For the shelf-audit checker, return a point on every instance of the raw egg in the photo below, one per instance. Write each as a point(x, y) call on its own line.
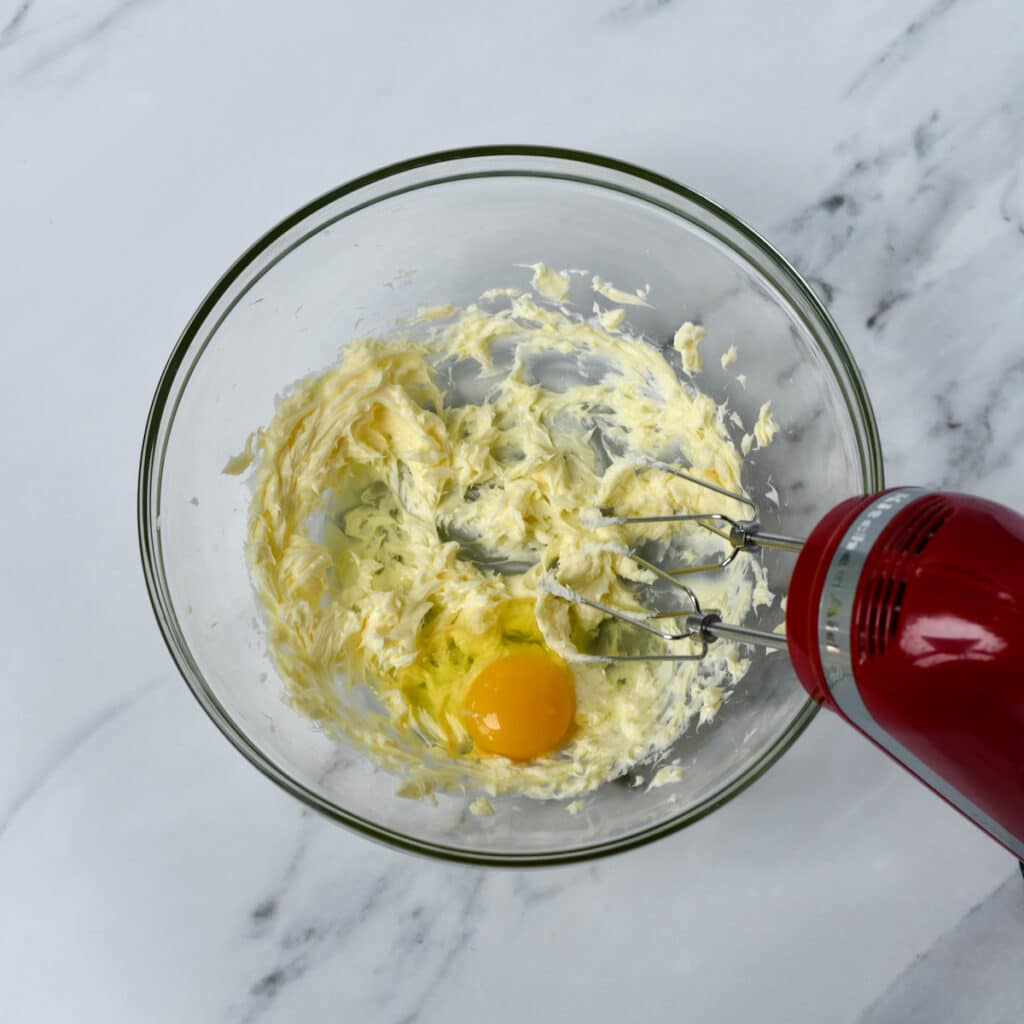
point(521, 705)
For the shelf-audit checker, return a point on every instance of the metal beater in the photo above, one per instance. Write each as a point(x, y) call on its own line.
point(703, 626)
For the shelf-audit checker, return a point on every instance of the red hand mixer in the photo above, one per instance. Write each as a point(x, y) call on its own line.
point(905, 617)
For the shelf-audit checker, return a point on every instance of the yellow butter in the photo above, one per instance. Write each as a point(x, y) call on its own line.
point(370, 474)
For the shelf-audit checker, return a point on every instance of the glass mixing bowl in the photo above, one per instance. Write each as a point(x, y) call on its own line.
point(442, 229)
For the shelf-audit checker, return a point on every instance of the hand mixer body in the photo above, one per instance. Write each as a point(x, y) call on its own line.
point(906, 617)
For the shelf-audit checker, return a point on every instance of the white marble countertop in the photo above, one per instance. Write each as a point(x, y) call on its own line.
point(147, 873)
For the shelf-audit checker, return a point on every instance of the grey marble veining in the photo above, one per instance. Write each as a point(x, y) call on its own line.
point(87, 733)
point(146, 871)
point(905, 45)
point(963, 976)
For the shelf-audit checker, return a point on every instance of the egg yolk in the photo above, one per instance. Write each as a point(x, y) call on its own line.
point(521, 706)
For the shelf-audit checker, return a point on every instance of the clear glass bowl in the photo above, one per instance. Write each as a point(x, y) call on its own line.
point(443, 229)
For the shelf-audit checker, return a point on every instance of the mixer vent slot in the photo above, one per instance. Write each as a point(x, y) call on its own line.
point(879, 615)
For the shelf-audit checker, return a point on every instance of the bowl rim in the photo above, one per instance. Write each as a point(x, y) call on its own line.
point(151, 460)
